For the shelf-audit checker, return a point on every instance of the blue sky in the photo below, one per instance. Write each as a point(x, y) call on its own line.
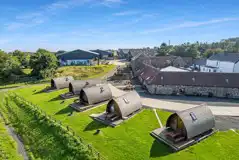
point(90, 24)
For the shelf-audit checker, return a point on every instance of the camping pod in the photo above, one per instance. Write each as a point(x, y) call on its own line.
point(186, 127)
point(120, 109)
point(95, 94)
point(76, 86)
point(124, 106)
point(61, 82)
point(192, 122)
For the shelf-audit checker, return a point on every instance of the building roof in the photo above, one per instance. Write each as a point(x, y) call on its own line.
point(164, 61)
point(228, 57)
point(148, 73)
point(200, 62)
point(203, 79)
point(126, 104)
point(172, 69)
point(102, 52)
point(146, 51)
point(125, 51)
point(96, 94)
point(196, 120)
point(76, 86)
point(61, 82)
point(77, 54)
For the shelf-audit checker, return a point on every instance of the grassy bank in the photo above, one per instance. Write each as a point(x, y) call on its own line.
point(84, 72)
point(43, 137)
point(78, 72)
point(8, 147)
point(131, 140)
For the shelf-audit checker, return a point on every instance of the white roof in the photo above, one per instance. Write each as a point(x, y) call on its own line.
point(173, 69)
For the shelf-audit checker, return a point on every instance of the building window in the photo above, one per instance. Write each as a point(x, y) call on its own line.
point(193, 116)
point(227, 80)
point(126, 100)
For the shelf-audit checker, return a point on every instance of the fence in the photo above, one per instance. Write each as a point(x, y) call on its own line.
point(67, 128)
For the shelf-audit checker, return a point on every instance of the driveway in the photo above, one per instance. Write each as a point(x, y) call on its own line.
point(219, 107)
point(227, 110)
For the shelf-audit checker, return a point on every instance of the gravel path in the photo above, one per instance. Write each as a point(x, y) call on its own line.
point(20, 145)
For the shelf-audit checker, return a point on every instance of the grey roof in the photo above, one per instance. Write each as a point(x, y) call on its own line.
point(77, 54)
point(204, 120)
point(61, 82)
point(203, 79)
point(102, 52)
point(147, 51)
point(126, 104)
point(200, 62)
point(76, 86)
point(96, 94)
point(125, 51)
point(228, 57)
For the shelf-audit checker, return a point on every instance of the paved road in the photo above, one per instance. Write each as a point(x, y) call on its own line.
point(176, 106)
point(219, 108)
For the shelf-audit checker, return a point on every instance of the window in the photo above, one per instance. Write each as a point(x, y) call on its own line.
point(126, 100)
point(193, 116)
point(227, 80)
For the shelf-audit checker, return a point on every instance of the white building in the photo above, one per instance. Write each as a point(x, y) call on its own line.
point(222, 62)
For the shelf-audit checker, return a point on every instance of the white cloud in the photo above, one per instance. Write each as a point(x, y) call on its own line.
point(126, 13)
point(110, 3)
point(28, 15)
point(4, 41)
point(190, 24)
point(18, 25)
point(40, 16)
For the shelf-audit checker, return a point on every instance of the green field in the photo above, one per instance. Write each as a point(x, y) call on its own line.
point(131, 140)
point(8, 147)
point(78, 72)
point(84, 72)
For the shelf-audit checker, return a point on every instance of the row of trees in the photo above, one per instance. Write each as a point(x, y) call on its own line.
point(197, 49)
point(43, 64)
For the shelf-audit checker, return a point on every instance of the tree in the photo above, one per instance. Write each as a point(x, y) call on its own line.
point(23, 58)
point(209, 52)
point(9, 66)
point(43, 63)
point(163, 50)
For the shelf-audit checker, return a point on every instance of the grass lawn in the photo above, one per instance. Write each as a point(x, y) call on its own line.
point(9, 86)
point(8, 147)
point(84, 72)
point(78, 72)
point(27, 71)
point(131, 140)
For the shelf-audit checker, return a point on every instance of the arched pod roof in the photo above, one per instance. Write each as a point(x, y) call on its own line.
point(61, 82)
point(126, 104)
point(95, 94)
point(196, 120)
point(76, 86)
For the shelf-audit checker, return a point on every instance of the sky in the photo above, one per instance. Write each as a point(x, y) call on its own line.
point(110, 24)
